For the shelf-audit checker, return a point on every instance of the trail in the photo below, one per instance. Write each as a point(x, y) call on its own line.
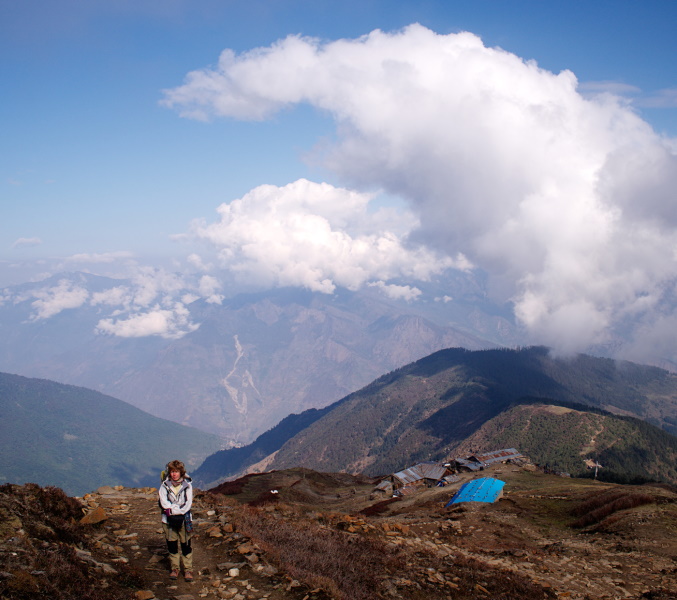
point(521, 536)
point(227, 565)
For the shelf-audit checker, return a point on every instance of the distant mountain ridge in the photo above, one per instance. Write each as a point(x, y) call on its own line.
point(253, 360)
point(427, 409)
point(78, 439)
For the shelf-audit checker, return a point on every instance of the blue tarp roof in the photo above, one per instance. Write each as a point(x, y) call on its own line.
point(485, 489)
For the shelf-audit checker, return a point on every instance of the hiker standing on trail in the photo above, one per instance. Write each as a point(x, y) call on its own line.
point(176, 500)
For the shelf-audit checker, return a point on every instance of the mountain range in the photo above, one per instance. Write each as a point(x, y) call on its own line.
point(456, 400)
point(78, 439)
point(559, 412)
point(246, 362)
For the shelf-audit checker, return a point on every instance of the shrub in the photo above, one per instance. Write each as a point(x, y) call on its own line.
point(264, 498)
point(378, 508)
point(602, 506)
point(46, 564)
point(345, 566)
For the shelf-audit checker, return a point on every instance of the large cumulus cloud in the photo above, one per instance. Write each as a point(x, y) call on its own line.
point(316, 236)
point(566, 200)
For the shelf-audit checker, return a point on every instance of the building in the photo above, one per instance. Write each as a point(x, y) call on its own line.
point(477, 462)
point(423, 474)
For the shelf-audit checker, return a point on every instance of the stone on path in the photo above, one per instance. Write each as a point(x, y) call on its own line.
point(95, 516)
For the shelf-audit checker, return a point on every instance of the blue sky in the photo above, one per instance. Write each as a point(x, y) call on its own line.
point(105, 167)
point(92, 163)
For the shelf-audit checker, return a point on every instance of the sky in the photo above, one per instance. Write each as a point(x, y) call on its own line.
point(207, 146)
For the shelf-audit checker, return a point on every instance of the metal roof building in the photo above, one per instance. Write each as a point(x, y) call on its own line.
point(477, 462)
point(426, 470)
point(485, 489)
point(498, 456)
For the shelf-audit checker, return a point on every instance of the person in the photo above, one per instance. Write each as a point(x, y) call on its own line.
point(176, 501)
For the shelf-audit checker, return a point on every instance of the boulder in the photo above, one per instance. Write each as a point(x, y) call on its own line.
point(95, 516)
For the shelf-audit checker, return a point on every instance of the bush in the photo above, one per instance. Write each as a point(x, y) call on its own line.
point(345, 566)
point(45, 564)
point(378, 508)
point(603, 505)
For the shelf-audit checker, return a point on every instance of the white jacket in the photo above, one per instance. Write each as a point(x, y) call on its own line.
point(178, 504)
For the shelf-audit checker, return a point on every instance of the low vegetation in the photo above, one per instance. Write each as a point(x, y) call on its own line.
point(602, 505)
point(39, 536)
point(325, 537)
point(347, 567)
point(355, 567)
point(424, 410)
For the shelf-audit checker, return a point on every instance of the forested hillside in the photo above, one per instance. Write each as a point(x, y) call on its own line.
point(560, 438)
point(78, 439)
point(426, 409)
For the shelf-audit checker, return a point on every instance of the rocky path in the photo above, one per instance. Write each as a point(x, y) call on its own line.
point(227, 565)
point(630, 564)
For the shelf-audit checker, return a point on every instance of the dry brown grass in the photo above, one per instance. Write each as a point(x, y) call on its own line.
point(232, 488)
point(602, 505)
point(42, 562)
point(378, 507)
point(345, 566)
point(358, 567)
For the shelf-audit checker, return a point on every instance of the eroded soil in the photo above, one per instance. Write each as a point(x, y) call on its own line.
point(525, 536)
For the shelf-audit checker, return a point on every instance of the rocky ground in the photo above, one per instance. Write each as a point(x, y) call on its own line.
point(523, 546)
point(227, 564)
point(629, 554)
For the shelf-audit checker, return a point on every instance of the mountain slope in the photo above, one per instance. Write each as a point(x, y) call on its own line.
point(253, 360)
point(561, 437)
point(425, 410)
point(78, 439)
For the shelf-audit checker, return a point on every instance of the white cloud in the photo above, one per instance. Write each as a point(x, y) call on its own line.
point(208, 287)
point(51, 301)
point(104, 257)
point(398, 292)
point(171, 323)
point(195, 261)
point(115, 296)
point(566, 201)
point(617, 88)
point(149, 284)
point(150, 302)
point(23, 242)
point(313, 235)
point(666, 98)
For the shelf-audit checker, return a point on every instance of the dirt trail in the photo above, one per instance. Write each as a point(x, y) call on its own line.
point(526, 533)
point(226, 565)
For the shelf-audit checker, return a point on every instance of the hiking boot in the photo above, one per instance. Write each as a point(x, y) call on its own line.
point(174, 574)
point(188, 576)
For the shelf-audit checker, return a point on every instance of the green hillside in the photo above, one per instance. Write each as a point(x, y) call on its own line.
point(78, 439)
point(561, 438)
point(426, 409)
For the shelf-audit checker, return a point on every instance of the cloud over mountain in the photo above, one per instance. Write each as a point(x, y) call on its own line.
point(566, 200)
point(315, 236)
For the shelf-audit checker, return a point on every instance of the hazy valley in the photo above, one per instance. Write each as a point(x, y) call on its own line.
point(244, 364)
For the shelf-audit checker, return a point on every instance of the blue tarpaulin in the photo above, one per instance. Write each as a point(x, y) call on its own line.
point(485, 489)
